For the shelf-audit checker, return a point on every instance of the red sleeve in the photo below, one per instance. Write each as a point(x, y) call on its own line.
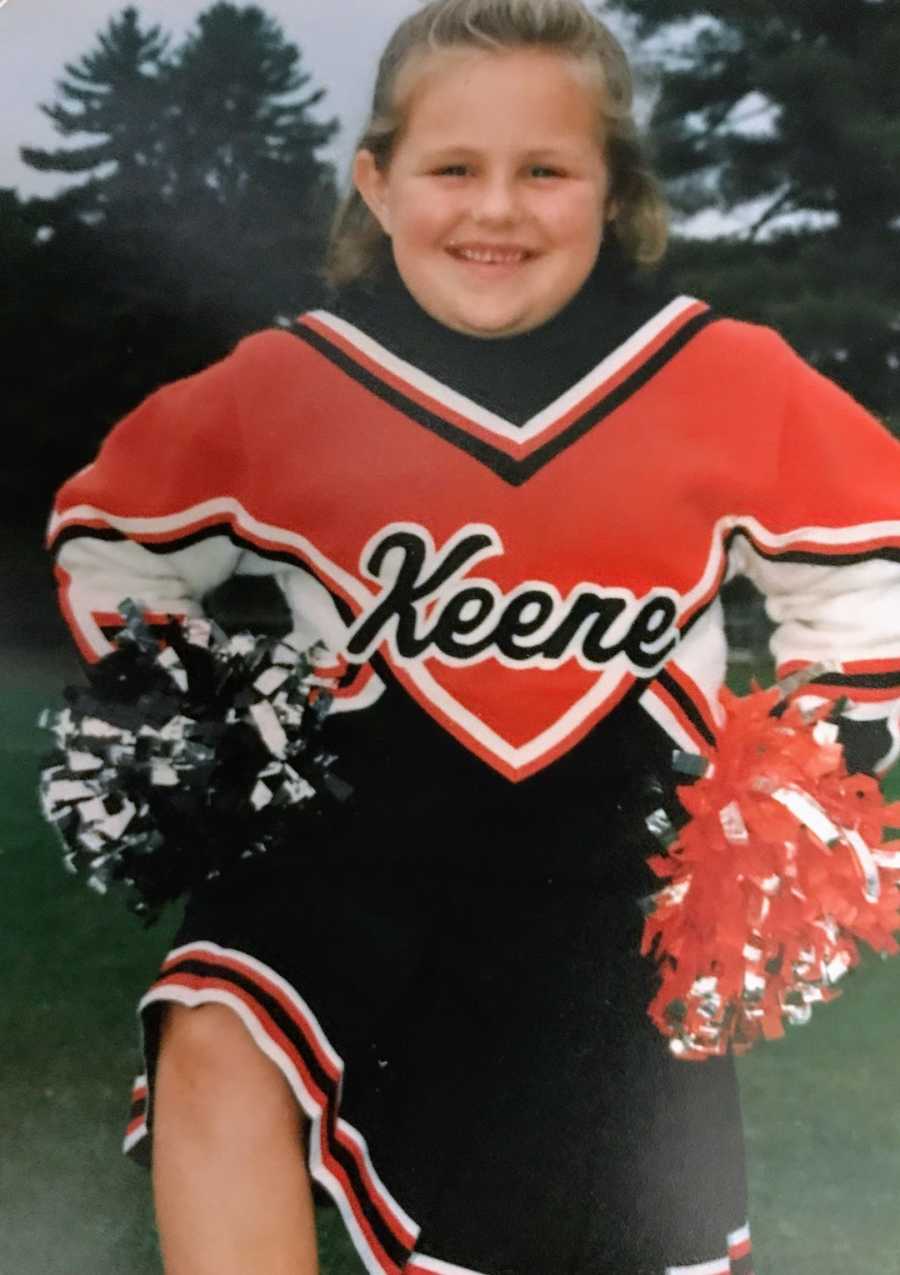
point(149, 518)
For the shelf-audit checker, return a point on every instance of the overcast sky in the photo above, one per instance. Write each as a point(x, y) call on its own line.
point(340, 41)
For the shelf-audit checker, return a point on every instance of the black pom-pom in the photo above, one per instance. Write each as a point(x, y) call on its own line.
point(185, 757)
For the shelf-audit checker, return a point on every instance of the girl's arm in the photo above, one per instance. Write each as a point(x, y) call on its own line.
point(828, 558)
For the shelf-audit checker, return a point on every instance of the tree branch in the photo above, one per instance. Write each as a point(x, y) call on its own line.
point(778, 204)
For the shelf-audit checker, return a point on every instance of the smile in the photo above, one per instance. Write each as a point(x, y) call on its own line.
point(485, 255)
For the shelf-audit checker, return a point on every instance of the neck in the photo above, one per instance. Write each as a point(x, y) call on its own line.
point(514, 376)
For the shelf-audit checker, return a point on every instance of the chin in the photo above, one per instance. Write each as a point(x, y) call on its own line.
point(488, 326)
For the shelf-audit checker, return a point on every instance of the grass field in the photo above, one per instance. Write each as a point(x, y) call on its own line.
point(822, 1114)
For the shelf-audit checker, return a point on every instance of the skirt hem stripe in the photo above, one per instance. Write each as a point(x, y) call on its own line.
point(327, 1129)
point(204, 973)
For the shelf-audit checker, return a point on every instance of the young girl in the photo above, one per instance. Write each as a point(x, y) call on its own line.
point(503, 483)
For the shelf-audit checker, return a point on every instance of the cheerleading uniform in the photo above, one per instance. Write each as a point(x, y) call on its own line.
point(512, 551)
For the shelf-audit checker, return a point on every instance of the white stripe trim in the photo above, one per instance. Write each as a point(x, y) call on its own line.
point(215, 950)
point(517, 758)
point(514, 757)
point(827, 537)
point(369, 695)
point(441, 1268)
point(740, 1236)
point(312, 1108)
point(183, 519)
point(315, 1110)
point(132, 1139)
point(548, 416)
point(664, 717)
point(721, 1266)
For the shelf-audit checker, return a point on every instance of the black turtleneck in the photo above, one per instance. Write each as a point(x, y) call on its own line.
point(514, 376)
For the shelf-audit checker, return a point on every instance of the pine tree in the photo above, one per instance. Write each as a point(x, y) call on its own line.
point(114, 91)
point(196, 212)
point(208, 160)
point(794, 104)
point(241, 130)
point(253, 198)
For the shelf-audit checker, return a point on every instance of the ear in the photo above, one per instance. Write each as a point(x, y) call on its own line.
point(371, 183)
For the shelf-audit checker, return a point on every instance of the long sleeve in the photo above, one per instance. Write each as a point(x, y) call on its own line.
point(127, 525)
point(830, 569)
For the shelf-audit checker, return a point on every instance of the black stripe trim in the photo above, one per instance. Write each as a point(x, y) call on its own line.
point(343, 610)
point(287, 557)
point(860, 681)
point(701, 611)
point(687, 705)
point(380, 666)
point(138, 1108)
point(829, 558)
point(514, 472)
point(75, 531)
point(206, 533)
point(395, 1250)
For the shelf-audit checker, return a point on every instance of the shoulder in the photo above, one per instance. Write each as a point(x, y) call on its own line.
point(269, 348)
point(761, 368)
point(273, 361)
point(740, 358)
point(255, 354)
point(736, 338)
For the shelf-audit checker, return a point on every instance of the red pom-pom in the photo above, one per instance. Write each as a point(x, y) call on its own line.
point(780, 869)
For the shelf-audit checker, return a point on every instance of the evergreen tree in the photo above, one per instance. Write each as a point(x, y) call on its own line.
point(207, 161)
point(115, 92)
point(241, 131)
point(200, 215)
point(794, 104)
point(252, 197)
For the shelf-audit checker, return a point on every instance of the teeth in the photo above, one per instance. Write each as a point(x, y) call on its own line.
point(486, 257)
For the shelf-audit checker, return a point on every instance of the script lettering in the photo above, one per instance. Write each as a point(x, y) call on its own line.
point(430, 607)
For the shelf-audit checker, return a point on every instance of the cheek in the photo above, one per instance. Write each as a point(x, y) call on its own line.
point(423, 221)
point(575, 218)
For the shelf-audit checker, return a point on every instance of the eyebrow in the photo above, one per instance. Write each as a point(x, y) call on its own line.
point(556, 149)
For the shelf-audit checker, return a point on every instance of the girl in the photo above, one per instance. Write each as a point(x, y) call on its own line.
point(503, 483)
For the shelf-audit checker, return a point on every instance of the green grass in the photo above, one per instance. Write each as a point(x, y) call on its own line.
point(74, 966)
point(823, 1121)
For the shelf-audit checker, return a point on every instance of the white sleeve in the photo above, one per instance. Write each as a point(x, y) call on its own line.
point(94, 576)
point(830, 568)
point(845, 618)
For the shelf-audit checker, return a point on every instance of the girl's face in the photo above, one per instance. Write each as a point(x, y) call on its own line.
point(497, 192)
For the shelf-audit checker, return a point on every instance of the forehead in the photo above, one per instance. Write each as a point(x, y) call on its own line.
point(468, 96)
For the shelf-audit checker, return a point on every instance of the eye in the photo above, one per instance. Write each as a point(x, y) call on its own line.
point(452, 170)
point(543, 170)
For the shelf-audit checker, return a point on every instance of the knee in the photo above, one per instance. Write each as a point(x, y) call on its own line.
point(210, 1071)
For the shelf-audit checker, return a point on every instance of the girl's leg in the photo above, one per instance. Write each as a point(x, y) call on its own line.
point(232, 1189)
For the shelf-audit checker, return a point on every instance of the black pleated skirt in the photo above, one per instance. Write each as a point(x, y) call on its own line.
point(484, 1090)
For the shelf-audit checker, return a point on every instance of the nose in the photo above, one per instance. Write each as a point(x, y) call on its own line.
point(496, 200)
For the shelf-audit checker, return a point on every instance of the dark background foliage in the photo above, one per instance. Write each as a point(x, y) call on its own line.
point(196, 214)
point(794, 105)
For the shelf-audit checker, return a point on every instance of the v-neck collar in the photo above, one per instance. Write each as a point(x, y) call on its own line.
point(559, 379)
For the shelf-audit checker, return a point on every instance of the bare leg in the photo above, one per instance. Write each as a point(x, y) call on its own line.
point(232, 1188)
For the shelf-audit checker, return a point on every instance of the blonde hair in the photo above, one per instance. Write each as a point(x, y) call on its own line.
point(358, 247)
